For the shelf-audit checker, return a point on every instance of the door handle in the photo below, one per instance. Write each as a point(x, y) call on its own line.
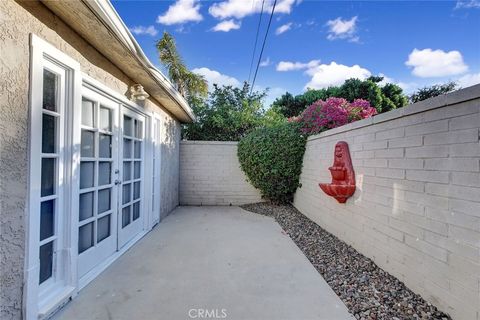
point(117, 182)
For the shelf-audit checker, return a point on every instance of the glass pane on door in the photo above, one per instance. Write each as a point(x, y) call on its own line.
point(86, 206)
point(87, 146)
point(105, 118)
point(85, 237)
point(103, 229)
point(88, 113)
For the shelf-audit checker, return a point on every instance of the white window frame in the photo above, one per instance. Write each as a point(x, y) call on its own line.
point(41, 299)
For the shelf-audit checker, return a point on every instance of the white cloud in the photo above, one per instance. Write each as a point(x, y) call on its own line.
point(139, 30)
point(283, 28)
point(469, 80)
point(180, 12)
point(334, 74)
point(428, 63)
point(343, 29)
point(292, 66)
point(266, 62)
point(284, 6)
point(227, 25)
point(467, 4)
point(241, 8)
point(215, 77)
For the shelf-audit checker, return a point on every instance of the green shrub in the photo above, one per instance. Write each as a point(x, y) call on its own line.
point(229, 114)
point(272, 160)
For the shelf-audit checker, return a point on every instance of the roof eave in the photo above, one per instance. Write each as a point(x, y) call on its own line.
point(112, 38)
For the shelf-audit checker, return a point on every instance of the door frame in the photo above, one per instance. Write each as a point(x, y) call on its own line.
point(35, 304)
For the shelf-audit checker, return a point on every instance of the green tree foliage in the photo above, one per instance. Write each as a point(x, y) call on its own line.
point(189, 84)
point(272, 160)
point(362, 89)
point(229, 114)
point(393, 97)
point(433, 91)
point(288, 105)
point(383, 98)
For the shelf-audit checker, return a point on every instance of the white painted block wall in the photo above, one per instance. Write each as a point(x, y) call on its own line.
point(416, 211)
point(210, 174)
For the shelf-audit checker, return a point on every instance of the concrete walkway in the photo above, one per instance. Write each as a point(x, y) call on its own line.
point(214, 263)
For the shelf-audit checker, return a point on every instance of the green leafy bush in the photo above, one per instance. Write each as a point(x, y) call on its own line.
point(229, 114)
point(272, 160)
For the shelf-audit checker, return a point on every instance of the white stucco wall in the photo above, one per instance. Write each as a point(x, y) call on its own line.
point(210, 174)
point(17, 20)
point(416, 210)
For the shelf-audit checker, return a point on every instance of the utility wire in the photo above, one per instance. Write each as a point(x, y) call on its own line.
point(263, 45)
point(256, 40)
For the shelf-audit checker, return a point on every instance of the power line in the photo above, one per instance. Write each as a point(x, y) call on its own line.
point(263, 45)
point(256, 39)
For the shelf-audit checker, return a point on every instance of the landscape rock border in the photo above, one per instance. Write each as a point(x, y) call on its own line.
point(369, 292)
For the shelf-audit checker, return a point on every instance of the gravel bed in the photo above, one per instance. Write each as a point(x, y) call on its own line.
point(367, 290)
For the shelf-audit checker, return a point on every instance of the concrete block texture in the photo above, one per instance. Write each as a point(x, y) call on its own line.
point(210, 174)
point(416, 210)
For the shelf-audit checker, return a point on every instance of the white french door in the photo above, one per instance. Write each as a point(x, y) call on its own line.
point(97, 214)
point(110, 206)
point(86, 187)
point(131, 206)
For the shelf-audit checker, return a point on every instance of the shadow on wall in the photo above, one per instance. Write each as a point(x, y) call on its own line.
point(170, 169)
point(415, 209)
point(107, 72)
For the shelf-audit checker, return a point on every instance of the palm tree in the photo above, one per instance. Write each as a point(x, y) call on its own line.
point(189, 84)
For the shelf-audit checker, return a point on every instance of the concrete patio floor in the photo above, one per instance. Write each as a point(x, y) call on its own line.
point(210, 258)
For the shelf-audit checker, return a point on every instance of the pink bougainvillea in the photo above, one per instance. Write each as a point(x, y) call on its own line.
point(332, 113)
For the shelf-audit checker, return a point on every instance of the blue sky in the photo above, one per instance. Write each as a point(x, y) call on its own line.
point(316, 43)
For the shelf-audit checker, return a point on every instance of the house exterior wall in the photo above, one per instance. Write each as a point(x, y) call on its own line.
point(210, 174)
point(170, 165)
point(17, 20)
point(416, 209)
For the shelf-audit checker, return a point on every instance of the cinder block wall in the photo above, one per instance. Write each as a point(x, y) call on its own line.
point(210, 174)
point(416, 210)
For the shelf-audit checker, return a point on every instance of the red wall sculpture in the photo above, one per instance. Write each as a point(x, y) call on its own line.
point(343, 176)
